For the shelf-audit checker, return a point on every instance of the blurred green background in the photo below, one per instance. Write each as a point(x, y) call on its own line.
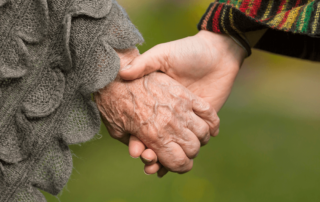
point(268, 147)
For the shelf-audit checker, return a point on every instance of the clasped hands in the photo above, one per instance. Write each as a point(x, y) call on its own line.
point(164, 103)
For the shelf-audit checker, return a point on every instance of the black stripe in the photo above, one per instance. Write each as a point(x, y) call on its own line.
point(210, 21)
point(275, 8)
point(262, 9)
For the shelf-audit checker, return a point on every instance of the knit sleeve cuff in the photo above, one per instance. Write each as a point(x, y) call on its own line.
point(293, 25)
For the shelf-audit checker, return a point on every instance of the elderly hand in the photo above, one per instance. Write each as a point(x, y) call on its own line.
point(207, 64)
point(161, 113)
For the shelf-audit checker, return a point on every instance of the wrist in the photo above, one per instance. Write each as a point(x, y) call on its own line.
point(225, 45)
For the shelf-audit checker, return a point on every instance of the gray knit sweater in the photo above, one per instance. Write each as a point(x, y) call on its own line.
point(53, 55)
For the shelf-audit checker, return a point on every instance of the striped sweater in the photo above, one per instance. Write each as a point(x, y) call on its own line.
point(294, 26)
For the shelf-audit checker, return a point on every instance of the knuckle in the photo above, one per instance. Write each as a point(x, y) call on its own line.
point(193, 152)
point(187, 169)
point(179, 165)
point(150, 137)
point(216, 133)
point(205, 140)
point(204, 130)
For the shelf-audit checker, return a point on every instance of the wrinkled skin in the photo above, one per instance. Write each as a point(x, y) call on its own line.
point(206, 63)
point(160, 113)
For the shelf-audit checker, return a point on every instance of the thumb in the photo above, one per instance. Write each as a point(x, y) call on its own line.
point(153, 60)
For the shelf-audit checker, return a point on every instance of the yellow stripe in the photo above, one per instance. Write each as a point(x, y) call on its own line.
point(277, 20)
point(284, 6)
point(291, 18)
point(232, 23)
point(267, 10)
point(222, 22)
point(249, 7)
point(316, 18)
point(239, 3)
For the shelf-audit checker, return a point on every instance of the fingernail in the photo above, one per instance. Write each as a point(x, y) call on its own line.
point(147, 160)
point(145, 172)
point(134, 157)
point(126, 67)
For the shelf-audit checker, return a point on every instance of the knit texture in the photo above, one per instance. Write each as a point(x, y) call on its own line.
point(53, 55)
point(294, 26)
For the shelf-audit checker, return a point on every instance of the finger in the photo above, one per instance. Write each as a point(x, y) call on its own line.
point(189, 143)
point(208, 114)
point(150, 61)
point(136, 147)
point(173, 158)
point(149, 157)
point(216, 133)
point(127, 55)
point(200, 128)
point(162, 172)
point(151, 169)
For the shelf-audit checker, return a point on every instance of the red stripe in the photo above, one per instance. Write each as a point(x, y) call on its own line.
point(255, 7)
point(297, 3)
point(228, 2)
point(215, 21)
point(284, 19)
point(281, 5)
point(244, 6)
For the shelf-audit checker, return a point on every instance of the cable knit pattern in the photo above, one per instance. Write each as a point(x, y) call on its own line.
point(54, 54)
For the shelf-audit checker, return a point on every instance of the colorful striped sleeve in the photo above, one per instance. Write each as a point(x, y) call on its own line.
point(294, 27)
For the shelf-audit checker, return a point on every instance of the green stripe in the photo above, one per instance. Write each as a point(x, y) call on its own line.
point(299, 20)
point(238, 3)
point(234, 2)
point(308, 16)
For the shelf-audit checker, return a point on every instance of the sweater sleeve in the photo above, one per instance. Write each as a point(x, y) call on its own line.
point(53, 55)
point(294, 26)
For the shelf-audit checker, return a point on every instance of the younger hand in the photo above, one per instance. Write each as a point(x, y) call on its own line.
point(207, 64)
